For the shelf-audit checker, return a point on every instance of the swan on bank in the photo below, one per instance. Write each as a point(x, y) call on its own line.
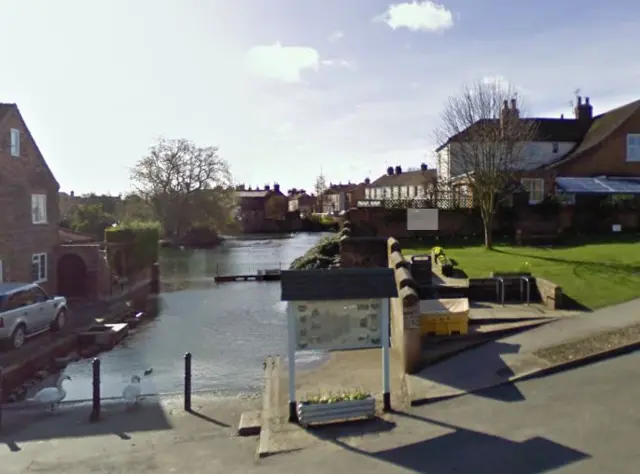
point(51, 396)
point(131, 393)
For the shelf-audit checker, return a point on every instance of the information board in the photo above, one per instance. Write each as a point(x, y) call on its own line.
point(337, 324)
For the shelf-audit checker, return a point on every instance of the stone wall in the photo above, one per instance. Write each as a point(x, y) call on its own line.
point(550, 293)
point(405, 311)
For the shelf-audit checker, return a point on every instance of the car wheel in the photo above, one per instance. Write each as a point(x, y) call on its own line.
point(18, 337)
point(60, 321)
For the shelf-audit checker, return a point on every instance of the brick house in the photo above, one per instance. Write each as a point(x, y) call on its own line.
point(585, 155)
point(302, 203)
point(262, 210)
point(29, 202)
point(335, 198)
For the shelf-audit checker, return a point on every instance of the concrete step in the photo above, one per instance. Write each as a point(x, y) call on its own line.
point(250, 423)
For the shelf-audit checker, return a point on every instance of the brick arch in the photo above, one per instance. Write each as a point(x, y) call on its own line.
point(73, 276)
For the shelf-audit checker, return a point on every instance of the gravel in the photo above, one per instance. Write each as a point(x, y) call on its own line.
point(590, 345)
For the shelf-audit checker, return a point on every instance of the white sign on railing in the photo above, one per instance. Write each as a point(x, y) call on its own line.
point(338, 324)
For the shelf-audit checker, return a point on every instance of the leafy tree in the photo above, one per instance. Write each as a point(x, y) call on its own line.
point(184, 184)
point(91, 219)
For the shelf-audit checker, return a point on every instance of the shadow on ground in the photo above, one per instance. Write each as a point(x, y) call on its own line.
point(472, 374)
point(464, 450)
point(73, 421)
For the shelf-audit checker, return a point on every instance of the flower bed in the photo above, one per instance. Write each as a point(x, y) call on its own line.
point(333, 408)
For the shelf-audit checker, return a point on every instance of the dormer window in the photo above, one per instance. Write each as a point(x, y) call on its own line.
point(555, 147)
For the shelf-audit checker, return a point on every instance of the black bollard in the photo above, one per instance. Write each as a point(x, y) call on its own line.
point(95, 403)
point(187, 381)
point(1, 399)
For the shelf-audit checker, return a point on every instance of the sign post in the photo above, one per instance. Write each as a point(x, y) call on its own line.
point(342, 309)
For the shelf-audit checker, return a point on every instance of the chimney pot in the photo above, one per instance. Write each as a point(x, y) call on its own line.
point(513, 104)
point(586, 100)
point(561, 116)
point(579, 100)
point(505, 104)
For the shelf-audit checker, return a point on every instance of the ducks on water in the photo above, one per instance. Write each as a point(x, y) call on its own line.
point(52, 396)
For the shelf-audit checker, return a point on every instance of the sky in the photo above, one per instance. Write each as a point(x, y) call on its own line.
point(288, 89)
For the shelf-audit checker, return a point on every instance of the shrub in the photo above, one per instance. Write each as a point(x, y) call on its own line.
point(140, 242)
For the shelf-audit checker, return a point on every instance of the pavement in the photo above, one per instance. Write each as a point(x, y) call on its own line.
point(583, 421)
point(511, 357)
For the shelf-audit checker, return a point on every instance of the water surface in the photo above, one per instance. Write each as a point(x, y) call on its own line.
point(230, 328)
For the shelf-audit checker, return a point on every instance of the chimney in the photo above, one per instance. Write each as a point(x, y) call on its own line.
point(390, 170)
point(267, 187)
point(424, 167)
point(505, 113)
point(584, 111)
point(514, 108)
point(276, 187)
point(367, 181)
point(561, 116)
point(398, 170)
point(71, 194)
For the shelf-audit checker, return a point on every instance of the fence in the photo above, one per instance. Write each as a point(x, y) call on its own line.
point(441, 200)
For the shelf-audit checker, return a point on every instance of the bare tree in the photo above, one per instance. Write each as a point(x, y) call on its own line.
point(175, 175)
point(486, 142)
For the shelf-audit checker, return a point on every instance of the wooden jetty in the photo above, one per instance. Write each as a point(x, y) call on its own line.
point(261, 275)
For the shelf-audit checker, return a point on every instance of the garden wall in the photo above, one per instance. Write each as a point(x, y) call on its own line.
point(404, 312)
point(552, 219)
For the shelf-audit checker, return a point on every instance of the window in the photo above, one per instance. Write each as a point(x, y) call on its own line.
point(535, 187)
point(39, 267)
point(367, 193)
point(15, 142)
point(39, 208)
point(633, 147)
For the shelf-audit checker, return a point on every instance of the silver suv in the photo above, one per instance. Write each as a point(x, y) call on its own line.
point(27, 310)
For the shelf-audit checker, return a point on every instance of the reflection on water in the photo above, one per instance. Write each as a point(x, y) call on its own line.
point(229, 328)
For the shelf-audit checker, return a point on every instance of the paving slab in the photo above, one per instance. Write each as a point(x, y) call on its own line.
point(504, 359)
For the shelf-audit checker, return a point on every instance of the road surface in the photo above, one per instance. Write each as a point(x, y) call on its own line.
point(583, 421)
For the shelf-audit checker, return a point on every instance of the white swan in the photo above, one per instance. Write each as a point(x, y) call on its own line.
point(131, 393)
point(51, 395)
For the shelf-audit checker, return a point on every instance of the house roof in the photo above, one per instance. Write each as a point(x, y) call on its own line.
point(252, 194)
point(4, 110)
point(601, 127)
point(71, 236)
point(599, 185)
point(339, 188)
point(406, 178)
point(546, 129)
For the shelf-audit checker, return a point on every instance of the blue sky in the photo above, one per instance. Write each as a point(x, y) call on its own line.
point(286, 88)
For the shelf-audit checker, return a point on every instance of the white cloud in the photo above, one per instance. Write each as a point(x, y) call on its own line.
point(336, 35)
point(417, 16)
point(284, 63)
point(338, 63)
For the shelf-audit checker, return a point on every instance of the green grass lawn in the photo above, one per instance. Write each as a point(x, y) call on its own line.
point(593, 274)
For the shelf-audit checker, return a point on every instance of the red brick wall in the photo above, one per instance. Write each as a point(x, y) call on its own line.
point(608, 158)
point(20, 177)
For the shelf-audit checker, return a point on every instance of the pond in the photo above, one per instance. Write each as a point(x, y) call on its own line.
point(230, 328)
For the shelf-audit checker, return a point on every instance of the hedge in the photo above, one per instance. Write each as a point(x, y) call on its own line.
point(141, 241)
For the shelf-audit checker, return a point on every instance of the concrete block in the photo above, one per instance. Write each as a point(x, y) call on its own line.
point(250, 423)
